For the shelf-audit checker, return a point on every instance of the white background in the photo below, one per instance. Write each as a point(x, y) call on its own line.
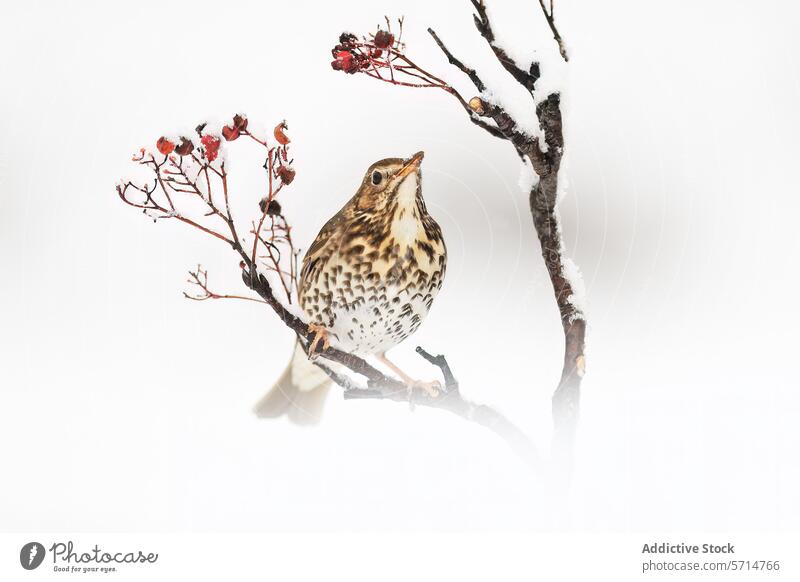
point(126, 408)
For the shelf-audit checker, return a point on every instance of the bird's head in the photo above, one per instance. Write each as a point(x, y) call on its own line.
point(393, 180)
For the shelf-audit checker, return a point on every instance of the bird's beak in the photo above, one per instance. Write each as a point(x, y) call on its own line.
point(411, 164)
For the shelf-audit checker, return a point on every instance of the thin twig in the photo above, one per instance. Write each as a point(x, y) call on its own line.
point(468, 71)
point(525, 78)
point(551, 21)
point(199, 278)
point(440, 362)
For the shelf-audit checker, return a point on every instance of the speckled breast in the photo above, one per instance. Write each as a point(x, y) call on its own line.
point(372, 300)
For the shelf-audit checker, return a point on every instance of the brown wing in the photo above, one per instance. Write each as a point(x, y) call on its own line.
point(324, 245)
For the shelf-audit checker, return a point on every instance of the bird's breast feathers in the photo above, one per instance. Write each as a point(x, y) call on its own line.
point(374, 280)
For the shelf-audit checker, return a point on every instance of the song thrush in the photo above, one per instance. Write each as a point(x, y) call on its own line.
point(367, 282)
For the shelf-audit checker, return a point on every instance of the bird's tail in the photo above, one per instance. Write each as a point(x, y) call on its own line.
point(299, 393)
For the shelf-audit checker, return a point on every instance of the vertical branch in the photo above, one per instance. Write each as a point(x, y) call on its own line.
point(566, 398)
point(546, 161)
point(264, 212)
point(277, 167)
point(543, 197)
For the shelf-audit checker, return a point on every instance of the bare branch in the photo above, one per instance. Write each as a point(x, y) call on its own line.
point(440, 362)
point(162, 213)
point(525, 78)
point(199, 278)
point(468, 71)
point(452, 401)
point(552, 23)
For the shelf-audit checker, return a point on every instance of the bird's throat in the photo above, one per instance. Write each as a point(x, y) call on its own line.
point(406, 196)
point(406, 224)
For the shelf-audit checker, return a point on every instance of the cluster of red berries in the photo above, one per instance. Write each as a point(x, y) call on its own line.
point(166, 147)
point(210, 143)
point(349, 56)
point(185, 146)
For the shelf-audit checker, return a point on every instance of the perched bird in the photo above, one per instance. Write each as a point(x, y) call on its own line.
point(367, 281)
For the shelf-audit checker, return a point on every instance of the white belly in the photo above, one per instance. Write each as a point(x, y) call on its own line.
point(374, 326)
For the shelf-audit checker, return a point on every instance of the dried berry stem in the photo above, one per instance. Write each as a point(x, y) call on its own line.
point(199, 279)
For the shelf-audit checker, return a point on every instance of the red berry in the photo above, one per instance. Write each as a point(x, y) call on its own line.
point(211, 144)
point(185, 147)
point(165, 146)
point(274, 209)
point(383, 39)
point(240, 122)
point(286, 174)
point(343, 62)
point(349, 62)
point(230, 133)
point(353, 65)
point(279, 134)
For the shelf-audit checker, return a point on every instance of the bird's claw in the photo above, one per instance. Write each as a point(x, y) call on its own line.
point(320, 335)
point(433, 389)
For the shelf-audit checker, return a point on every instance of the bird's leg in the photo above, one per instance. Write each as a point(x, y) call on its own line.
point(394, 368)
point(320, 335)
point(432, 388)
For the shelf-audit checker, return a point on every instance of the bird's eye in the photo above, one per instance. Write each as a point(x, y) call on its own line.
point(376, 178)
